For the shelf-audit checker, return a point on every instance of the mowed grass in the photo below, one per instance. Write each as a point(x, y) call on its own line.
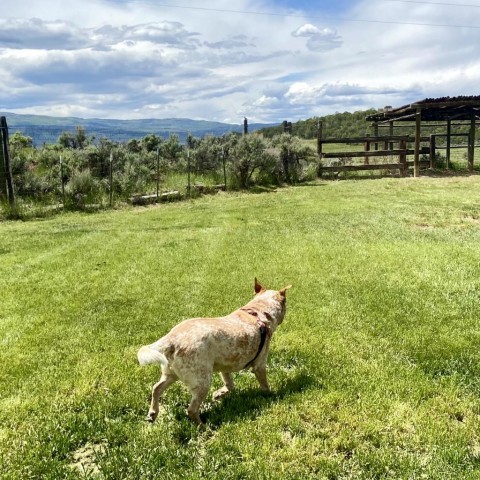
point(375, 371)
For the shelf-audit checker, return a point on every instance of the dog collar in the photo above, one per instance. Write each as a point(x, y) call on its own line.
point(254, 313)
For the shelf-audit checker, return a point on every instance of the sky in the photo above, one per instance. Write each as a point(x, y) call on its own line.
point(267, 60)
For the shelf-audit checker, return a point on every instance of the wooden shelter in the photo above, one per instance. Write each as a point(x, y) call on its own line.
point(462, 110)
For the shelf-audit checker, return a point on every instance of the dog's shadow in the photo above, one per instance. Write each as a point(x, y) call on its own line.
point(248, 403)
point(243, 403)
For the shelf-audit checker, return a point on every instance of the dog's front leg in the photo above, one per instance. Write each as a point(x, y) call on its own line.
point(261, 374)
point(157, 390)
point(228, 387)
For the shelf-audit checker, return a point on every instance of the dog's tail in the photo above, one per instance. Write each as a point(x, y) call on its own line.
point(149, 354)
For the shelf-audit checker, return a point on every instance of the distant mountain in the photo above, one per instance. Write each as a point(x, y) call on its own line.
point(45, 129)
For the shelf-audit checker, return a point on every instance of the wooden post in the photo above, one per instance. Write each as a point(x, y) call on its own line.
point(403, 158)
point(471, 146)
point(375, 133)
point(111, 178)
point(188, 174)
point(319, 139)
point(390, 130)
point(224, 169)
point(416, 159)
point(367, 149)
point(62, 181)
point(432, 150)
point(245, 126)
point(6, 158)
point(158, 171)
point(3, 169)
point(449, 140)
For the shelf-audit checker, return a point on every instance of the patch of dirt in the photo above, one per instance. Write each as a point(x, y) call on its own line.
point(85, 460)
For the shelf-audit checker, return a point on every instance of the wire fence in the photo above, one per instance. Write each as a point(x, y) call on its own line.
point(79, 172)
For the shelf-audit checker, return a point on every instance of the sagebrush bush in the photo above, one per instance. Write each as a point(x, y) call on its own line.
point(82, 190)
point(88, 170)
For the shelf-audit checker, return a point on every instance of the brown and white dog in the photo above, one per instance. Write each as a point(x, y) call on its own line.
point(196, 348)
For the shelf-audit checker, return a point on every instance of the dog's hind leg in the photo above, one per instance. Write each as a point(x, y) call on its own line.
point(157, 390)
point(199, 394)
point(228, 387)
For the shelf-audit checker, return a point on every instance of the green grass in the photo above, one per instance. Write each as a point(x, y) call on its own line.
point(375, 371)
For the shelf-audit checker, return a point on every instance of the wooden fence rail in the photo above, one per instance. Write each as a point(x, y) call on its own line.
point(374, 153)
point(389, 151)
point(379, 166)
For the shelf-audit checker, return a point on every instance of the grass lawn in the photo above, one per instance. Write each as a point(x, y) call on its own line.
point(375, 371)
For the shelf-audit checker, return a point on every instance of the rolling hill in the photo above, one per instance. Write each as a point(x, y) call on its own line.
point(46, 129)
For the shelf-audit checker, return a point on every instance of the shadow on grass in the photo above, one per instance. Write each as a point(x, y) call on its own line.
point(249, 404)
point(238, 406)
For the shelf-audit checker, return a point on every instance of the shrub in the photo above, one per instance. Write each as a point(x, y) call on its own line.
point(294, 157)
point(250, 155)
point(82, 190)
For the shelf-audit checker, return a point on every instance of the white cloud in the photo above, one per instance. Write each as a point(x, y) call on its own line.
point(129, 58)
point(319, 40)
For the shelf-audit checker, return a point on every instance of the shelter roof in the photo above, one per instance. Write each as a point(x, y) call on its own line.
point(433, 109)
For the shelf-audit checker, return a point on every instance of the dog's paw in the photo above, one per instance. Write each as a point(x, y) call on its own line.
point(221, 392)
point(151, 417)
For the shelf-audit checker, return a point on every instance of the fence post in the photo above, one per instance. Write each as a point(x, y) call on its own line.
point(366, 160)
point(3, 175)
point(6, 159)
point(391, 133)
point(62, 182)
point(188, 174)
point(403, 158)
point(449, 140)
point(319, 139)
point(287, 127)
point(471, 146)
point(158, 170)
point(432, 150)
point(416, 159)
point(111, 178)
point(224, 169)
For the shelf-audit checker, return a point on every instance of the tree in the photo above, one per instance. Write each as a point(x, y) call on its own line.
point(66, 140)
point(172, 150)
point(78, 140)
point(151, 142)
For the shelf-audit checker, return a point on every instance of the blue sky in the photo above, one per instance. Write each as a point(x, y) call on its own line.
point(268, 60)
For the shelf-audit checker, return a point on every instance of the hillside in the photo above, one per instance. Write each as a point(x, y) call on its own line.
point(336, 125)
point(46, 129)
point(346, 124)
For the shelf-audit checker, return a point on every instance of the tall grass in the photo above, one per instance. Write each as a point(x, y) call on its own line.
point(375, 371)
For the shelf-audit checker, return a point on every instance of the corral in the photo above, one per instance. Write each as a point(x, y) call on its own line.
point(438, 112)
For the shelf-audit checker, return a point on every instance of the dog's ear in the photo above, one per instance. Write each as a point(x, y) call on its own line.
point(258, 288)
point(283, 291)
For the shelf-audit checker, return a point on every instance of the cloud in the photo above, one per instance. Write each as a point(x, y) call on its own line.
point(61, 35)
point(42, 35)
point(319, 40)
point(159, 33)
point(237, 41)
point(128, 58)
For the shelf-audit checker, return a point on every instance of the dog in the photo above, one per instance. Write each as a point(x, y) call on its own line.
point(196, 348)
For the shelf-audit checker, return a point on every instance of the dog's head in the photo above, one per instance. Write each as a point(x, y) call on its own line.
point(276, 299)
